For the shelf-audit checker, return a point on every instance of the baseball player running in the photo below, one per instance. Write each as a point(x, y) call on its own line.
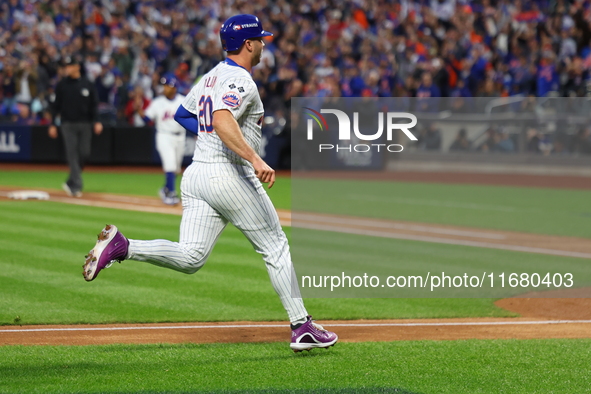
point(170, 136)
point(224, 183)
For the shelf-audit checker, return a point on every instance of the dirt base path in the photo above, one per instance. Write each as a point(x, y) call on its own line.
point(348, 331)
point(564, 317)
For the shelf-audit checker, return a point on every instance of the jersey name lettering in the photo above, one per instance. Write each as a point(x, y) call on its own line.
point(210, 82)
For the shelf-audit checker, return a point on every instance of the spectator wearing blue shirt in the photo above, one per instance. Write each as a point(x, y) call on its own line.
point(159, 52)
point(427, 94)
point(461, 90)
point(353, 84)
point(547, 78)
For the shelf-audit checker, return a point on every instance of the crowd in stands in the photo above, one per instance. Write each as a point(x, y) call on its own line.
point(321, 48)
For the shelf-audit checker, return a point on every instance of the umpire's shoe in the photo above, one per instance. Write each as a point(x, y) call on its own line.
point(111, 246)
point(71, 192)
point(311, 335)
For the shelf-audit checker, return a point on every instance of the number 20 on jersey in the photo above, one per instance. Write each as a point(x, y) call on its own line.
point(205, 114)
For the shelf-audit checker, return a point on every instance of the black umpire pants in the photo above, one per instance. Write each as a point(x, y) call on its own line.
point(77, 138)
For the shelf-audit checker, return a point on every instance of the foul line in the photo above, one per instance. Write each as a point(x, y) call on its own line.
point(494, 323)
point(298, 217)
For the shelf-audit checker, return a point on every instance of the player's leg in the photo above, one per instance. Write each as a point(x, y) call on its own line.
point(270, 241)
point(71, 144)
point(178, 155)
point(165, 145)
point(201, 225)
point(240, 198)
point(179, 150)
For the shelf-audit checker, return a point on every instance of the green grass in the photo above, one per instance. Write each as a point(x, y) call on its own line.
point(532, 210)
point(474, 366)
point(41, 280)
point(143, 184)
point(132, 183)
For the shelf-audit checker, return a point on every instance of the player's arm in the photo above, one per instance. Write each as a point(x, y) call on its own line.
point(187, 119)
point(229, 132)
point(148, 114)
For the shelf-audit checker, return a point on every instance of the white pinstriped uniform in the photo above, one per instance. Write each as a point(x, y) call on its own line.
point(170, 136)
point(221, 187)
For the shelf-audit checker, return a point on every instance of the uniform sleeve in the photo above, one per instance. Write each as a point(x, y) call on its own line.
point(187, 120)
point(150, 112)
point(189, 102)
point(235, 96)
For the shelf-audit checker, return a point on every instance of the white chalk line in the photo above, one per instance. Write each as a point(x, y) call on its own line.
point(349, 221)
point(184, 327)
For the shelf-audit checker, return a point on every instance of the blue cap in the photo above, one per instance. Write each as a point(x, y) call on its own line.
point(240, 28)
point(170, 80)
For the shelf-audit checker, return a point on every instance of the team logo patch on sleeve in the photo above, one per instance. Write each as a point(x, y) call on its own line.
point(232, 99)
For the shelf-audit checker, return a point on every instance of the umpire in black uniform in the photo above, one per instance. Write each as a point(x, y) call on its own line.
point(76, 102)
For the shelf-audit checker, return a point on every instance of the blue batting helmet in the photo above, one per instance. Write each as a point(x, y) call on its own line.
point(240, 28)
point(169, 79)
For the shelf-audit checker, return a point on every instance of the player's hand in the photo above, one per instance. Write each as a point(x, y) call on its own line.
point(52, 132)
point(98, 128)
point(265, 173)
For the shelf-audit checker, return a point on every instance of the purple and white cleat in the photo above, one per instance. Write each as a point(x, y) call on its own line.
point(311, 335)
point(111, 246)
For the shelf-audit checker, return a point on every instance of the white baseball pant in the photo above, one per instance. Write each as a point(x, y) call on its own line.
point(171, 149)
point(214, 194)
